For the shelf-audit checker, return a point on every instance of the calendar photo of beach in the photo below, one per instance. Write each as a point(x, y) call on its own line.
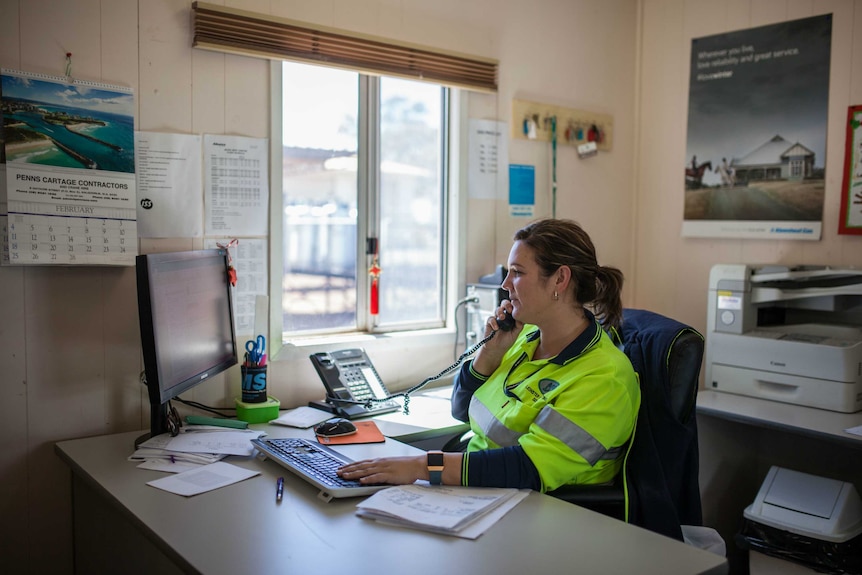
point(68, 125)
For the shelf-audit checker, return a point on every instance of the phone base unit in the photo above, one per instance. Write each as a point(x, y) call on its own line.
point(350, 380)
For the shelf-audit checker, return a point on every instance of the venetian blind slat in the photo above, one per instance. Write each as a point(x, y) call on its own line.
point(234, 31)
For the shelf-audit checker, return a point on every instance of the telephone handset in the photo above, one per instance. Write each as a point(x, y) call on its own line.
point(351, 383)
point(507, 323)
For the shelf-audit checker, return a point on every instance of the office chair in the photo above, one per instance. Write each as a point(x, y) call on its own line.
point(660, 473)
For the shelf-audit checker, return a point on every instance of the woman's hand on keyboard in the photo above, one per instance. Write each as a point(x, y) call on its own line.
point(401, 470)
point(392, 470)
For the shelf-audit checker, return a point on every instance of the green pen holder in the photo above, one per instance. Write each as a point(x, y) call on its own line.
point(261, 412)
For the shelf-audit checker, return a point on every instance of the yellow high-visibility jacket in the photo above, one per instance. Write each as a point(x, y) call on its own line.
point(572, 414)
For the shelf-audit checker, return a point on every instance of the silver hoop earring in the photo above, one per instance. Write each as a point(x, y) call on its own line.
point(556, 296)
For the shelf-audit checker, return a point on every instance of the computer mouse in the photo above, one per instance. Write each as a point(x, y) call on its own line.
point(335, 427)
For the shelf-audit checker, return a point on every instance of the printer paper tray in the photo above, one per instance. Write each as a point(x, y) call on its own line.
point(820, 393)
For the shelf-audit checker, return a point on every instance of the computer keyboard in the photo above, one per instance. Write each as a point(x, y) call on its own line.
point(314, 463)
point(312, 460)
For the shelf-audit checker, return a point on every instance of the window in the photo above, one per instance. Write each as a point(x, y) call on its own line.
point(363, 182)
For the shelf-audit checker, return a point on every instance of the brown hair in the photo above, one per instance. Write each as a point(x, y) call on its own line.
point(561, 242)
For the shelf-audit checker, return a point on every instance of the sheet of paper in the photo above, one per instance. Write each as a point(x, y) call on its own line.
point(236, 186)
point(170, 192)
point(302, 417)
point(234, 442)
point(487, 176)
point(249, 258)
point(854, 430)
point(203, 479)
point(168, 467)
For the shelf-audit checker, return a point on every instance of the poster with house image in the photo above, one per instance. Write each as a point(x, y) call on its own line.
point(756, 136)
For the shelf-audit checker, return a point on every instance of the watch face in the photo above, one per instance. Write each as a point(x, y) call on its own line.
point(435, 458)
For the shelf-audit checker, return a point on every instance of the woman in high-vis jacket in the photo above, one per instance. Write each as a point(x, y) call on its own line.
point(551, 401)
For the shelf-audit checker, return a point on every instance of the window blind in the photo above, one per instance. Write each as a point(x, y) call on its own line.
point(251, 34)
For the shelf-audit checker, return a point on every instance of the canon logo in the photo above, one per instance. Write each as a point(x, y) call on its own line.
point(777, 364)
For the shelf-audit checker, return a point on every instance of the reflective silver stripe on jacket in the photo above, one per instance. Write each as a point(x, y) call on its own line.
point(574, 436)
point(491, 426)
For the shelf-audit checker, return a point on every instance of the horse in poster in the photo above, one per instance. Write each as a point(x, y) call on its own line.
point(694, 174)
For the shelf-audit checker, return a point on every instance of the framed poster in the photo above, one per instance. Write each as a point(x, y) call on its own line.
point(851, 189)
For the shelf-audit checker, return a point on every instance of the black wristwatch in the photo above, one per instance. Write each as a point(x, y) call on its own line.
point(435, 467)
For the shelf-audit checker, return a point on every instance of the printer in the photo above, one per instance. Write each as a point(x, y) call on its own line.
point(786, 333)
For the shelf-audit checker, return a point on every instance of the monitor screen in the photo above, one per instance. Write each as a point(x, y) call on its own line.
point(187, 329)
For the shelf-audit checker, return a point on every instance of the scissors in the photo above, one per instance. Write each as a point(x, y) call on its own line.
point(256, 349)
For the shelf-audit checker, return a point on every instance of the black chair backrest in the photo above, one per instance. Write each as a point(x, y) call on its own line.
point(662, 466)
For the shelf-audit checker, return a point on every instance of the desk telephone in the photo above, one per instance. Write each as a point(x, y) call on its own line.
point(352, 383)
point(350, 380)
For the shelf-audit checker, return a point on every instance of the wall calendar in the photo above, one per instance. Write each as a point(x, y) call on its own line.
point(69, 154)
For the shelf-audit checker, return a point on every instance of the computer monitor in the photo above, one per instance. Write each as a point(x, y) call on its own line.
point(185, 310)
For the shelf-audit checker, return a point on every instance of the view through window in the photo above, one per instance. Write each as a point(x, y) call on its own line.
point(332, 121)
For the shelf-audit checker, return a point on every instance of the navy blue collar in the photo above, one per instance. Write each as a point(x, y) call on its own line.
point(588, 338)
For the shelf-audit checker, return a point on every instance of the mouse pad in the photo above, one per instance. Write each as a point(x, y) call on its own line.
point(366, 432)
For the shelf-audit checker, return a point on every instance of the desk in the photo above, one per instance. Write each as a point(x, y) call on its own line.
point(122, 524)
point(430, 423)
point(740, 437)
point(821, 424)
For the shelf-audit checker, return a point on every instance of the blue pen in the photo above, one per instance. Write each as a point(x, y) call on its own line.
point(279, 489)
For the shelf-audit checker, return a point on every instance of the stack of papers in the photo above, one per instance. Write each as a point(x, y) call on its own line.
point(195, 457)
point(171, 461)
point(465, 512)
point(195, 446)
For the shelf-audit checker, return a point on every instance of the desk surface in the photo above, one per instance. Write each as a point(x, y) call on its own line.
point(809, 421)
point(430, 415)
point(241, 528)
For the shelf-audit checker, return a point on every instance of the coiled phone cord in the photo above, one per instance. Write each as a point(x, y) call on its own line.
point(406, 394)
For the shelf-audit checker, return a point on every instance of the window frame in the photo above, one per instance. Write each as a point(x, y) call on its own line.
point(454, 228)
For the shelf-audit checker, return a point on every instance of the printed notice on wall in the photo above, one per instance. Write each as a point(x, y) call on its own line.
point(236, 186)
point(489, 155)
point(169, 185)
point(70, 170)
point(522, 190)
point(249, 258)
